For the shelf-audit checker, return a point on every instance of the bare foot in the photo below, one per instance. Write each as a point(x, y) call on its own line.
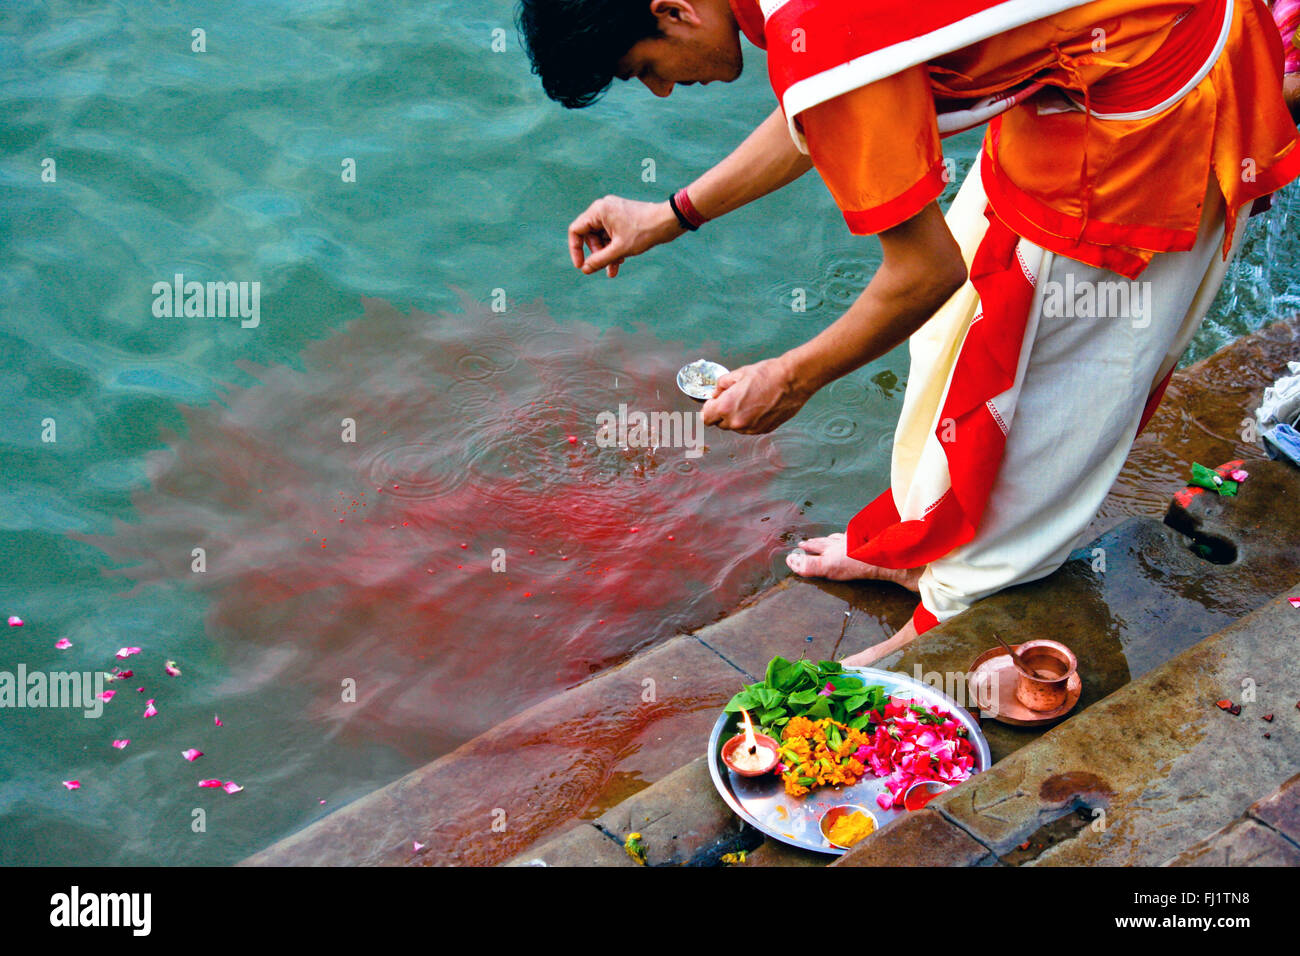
point(905, 636)
point(827, 558)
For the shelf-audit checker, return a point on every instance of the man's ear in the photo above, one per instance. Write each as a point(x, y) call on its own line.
point(674, 12)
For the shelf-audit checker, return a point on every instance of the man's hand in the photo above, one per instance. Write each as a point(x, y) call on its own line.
point(615, 228)
point(754, 399)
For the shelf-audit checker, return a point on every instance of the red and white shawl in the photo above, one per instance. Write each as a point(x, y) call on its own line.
point(820, 49)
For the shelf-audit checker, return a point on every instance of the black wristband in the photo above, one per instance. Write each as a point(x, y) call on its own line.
point(686, 223)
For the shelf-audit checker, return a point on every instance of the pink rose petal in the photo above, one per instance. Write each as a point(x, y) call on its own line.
point(416, 846)
point(1294, 601)
point(63, 643)
point(16, 621)
point(121, 744)
point(171, 668)
point(1239, 474)
point(124, 652)
point(217, 720)
point(192, 754)
point(150, 710)
point(107, 695)
point(231, 787)
point(209, 783)
point(72, 784)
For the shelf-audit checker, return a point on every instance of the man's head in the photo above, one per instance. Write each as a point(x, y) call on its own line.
point(579, 46)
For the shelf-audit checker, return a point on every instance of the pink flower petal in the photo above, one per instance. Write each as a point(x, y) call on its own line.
point(124, 652)
point(72, 784)
point(107, 695)
point(16, 621)
point(217, 720)
point(209, 783)
point(171, 668)
point(192, 754)
point(150, 710)
point(416, 846)
point(1239, 474)
point(121, 744)
point(231, 787)
point(1294, 601)
point(63, 643)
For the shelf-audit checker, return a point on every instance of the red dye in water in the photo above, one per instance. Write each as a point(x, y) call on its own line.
point(466, 424)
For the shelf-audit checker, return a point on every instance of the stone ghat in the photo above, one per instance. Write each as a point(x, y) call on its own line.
point(1161, 593)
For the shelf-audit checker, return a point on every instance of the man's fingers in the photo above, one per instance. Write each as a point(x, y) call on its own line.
point(608, 253)
point(582, 229)
point(731, 378)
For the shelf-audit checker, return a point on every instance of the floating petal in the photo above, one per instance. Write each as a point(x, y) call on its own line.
point(72, 784)
point(63, 643)
point(192, 754)
point(121, 744)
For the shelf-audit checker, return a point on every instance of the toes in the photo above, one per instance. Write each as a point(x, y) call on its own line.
point(804, 565)
point(817, 545)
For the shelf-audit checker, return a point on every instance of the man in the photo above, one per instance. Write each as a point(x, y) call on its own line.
point(1126, 138)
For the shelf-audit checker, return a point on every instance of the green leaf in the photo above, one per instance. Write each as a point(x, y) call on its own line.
point(854, 704)
point(747, 699)
point(767, 716)
point(769, 697)
point(857, 723)
point(772, 666)
point(802, 698)
point(820, 708)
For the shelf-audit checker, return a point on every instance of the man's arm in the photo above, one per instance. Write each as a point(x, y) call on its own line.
point(615, 228)
point(922, 268)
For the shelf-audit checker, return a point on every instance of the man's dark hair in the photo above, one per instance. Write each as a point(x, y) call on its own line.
point(575, 45)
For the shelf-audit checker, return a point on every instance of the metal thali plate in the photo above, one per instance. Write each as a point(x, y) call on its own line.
point(763, 803)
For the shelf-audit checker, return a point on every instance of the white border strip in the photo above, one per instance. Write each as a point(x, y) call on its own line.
point(1187, 87)
point(882, 63)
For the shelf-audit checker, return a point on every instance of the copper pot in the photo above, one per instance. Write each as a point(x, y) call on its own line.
point(1055, 664)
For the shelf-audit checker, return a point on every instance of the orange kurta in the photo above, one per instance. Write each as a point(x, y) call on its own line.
point(1107, 192)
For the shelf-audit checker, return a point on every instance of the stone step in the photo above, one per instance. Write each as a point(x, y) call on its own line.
point(1153, 597)
point(1140, 777)
point(587, 749)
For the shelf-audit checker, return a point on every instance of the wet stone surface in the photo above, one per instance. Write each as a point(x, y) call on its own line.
point(1163, 764)
point(1268, 834)
point(584, 845)
point(1122, 780)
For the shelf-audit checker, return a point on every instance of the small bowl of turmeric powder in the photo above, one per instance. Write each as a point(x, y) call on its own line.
point(847, 824)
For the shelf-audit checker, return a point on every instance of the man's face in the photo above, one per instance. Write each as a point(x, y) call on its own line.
point(700, 44)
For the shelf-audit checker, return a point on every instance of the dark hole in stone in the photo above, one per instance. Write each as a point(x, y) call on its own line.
point(1214, 549)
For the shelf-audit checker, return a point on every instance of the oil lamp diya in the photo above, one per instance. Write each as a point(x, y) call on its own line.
point(751, 754)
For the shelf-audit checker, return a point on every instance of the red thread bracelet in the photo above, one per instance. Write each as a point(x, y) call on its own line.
point(687, 208)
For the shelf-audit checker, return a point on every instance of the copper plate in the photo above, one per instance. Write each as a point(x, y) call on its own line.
point(996, 667)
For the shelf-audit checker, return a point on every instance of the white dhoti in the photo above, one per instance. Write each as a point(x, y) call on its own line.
point(1095, 348)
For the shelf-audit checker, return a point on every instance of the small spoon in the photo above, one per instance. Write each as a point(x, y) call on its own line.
point(1021, 665)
